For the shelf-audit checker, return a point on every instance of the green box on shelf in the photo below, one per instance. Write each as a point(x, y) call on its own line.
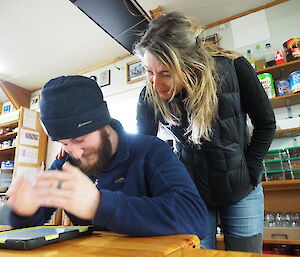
point(275, 154)
point(272, 175)
point(293, 151)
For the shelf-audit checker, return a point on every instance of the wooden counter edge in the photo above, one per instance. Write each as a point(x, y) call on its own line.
point(192, 252)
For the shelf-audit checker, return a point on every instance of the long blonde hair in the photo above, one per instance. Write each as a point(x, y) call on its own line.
point(175, 41)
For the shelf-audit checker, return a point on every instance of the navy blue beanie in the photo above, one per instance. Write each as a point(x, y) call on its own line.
point(72, 106)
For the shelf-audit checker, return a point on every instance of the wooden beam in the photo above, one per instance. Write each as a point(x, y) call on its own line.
point(104, 64)
point(17, 95)
point(244, 13)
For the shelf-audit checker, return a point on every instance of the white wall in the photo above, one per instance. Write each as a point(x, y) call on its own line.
point(118, 83)
point(121, 96)
point(283, 21)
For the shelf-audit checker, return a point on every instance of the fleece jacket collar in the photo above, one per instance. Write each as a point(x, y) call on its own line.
point(122, 153)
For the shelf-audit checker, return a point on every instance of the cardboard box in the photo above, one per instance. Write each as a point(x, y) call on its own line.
point(7, 107)
point(289, 233)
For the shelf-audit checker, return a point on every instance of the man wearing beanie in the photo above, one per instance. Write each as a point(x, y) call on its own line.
point(131, 184)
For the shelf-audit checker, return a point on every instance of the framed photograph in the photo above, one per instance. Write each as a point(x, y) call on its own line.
point(104, 78)
point(135, 71)
point(35, 102)
point(214, 39)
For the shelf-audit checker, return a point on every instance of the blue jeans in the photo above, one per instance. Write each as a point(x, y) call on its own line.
point(242, 219)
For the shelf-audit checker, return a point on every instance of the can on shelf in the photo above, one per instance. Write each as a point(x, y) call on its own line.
point(267, 82)
point(292, 49)
point(283, 87)
point(294, 78)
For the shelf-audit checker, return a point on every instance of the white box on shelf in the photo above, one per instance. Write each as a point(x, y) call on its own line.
point(7, 107)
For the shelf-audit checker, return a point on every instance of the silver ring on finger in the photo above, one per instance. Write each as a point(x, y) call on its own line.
point(59, 184)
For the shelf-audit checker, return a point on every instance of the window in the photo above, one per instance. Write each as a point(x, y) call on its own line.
point(122, 107)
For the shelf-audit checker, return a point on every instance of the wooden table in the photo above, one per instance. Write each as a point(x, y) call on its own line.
point(188, 252)
point(110, 244)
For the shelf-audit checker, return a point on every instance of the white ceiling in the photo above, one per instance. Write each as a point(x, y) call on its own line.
point(42, 39)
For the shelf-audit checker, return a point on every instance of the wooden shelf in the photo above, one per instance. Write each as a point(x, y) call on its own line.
point(8, 135)
point(281, 185)
point(281, 241)
point(12, 153)
point(220, 240)
point(10, 124)
point(281, 71)
point(285, 100)
point(278, 67)
point(8, 148)
point(292, 132)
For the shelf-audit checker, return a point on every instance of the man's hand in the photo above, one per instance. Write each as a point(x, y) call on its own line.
point(21, 198)
point(60, 154)
point(69, 189)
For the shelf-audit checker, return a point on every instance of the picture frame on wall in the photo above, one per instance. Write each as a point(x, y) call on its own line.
point(35, 102)
point(214, 39)
point(135, 71)
point(104, 78)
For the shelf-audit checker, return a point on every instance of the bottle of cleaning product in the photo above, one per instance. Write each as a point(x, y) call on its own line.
point(269, 55)
point(279, 58)
point(259, 58)
point(250, 58)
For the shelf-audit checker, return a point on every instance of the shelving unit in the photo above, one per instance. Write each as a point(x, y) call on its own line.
point(8, 149)
point(281, 71)
point(281, 185)
point(285, 100)
point(280, 196)
point(283, 195)
point(27, 153)
point(292, 132)
point(282, 242)
point(220, 242)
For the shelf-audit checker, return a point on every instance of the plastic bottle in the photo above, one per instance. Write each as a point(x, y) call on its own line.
point(250, 58)
point(269, 55)
point(259, 58)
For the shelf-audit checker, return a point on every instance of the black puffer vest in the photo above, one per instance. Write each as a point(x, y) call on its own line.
point(218, 167)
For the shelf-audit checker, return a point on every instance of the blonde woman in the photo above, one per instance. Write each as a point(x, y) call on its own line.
point(202, 94)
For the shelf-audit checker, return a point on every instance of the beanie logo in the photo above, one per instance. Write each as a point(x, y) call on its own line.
point(84, 123)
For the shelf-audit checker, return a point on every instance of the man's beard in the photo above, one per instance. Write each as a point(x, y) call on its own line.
point(104, 153)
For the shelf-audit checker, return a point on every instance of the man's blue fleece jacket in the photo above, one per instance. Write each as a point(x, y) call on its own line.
point(145, 191)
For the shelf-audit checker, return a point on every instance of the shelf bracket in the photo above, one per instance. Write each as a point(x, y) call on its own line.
point(288, 106)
